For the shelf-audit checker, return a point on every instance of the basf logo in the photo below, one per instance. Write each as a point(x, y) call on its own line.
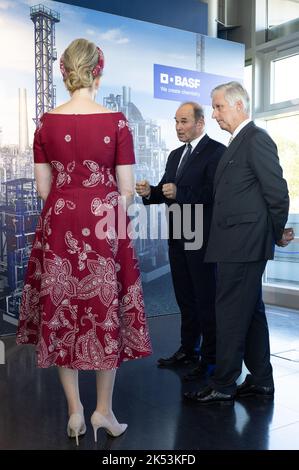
point(179, 80)
point(171, 83)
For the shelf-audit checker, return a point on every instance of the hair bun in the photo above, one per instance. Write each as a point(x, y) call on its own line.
point(80, 64)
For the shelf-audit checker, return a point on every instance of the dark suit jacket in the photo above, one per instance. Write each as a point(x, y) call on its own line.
point(251, 200)
point(194, 184)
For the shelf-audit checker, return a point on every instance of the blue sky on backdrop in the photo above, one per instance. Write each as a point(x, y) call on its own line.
point(131, 47)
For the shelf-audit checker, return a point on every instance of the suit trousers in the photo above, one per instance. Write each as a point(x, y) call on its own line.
point(195, 288)
point(242, 329)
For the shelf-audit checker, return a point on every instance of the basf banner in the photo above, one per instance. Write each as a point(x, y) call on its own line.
point(149, 71)
point(172, 83)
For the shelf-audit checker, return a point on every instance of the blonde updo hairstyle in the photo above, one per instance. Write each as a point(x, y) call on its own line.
point(79, 59)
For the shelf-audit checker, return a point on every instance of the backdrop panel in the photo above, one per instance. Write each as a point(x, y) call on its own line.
point(149, 70)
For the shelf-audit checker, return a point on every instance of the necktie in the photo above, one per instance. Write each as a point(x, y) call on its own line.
point(184, 160)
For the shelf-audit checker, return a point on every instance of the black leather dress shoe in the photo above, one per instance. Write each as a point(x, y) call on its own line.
point(246, 390)
point(209, 396)
point(201, 371)
point(178, 358)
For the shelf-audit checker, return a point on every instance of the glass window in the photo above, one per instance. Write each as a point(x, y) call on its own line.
point(248, 80)
point(284, 79)
point(282, 11)
point(284, 269)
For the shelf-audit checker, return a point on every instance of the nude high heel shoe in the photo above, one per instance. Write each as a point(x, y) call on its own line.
point(76, 426)
point(113, 429)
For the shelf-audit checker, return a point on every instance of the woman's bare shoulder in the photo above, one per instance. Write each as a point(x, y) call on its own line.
point(60, 109)
point(89, 108)
point(101, 109)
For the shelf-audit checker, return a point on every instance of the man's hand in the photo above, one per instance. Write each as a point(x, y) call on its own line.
point(169, 190)
point(143, 188)
point(287, 237)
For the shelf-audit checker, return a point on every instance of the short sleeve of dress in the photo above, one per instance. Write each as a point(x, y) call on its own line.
point(39, 153)
point(125, 149)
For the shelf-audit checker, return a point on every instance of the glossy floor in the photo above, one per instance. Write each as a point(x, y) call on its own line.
point(33, 411)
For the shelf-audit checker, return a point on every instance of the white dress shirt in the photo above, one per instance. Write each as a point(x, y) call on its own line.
point(240, 127)
point(193, 145)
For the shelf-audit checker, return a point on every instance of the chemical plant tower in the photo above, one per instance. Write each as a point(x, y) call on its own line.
point(44, 21)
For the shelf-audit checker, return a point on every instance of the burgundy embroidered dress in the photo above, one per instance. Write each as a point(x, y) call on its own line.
point(82, 302)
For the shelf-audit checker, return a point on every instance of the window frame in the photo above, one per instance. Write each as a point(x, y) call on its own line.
point(266, 54)
point(269, 85)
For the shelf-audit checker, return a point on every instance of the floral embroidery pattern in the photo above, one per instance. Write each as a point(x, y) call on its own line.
point(122, 124)
point(112, 239)
point(98, 205)
point(100, 282)
point(60, 204)
point(46, 228)
point(73, 247)
point(57, 280)
point(96, 176)
point(37, 273)
point(71, 166)
point(99, 175)
point(111, 321)
point(60, 318)
point(30, 307)
point(63, 177)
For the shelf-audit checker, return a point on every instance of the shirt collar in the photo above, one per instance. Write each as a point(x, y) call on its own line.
point(195, 142)
point(240, 127)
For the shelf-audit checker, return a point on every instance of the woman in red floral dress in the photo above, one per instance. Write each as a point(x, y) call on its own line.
point(82, 303)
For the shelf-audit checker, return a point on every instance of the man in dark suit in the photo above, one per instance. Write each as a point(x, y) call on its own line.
point(188, 180)
point(250, 212)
